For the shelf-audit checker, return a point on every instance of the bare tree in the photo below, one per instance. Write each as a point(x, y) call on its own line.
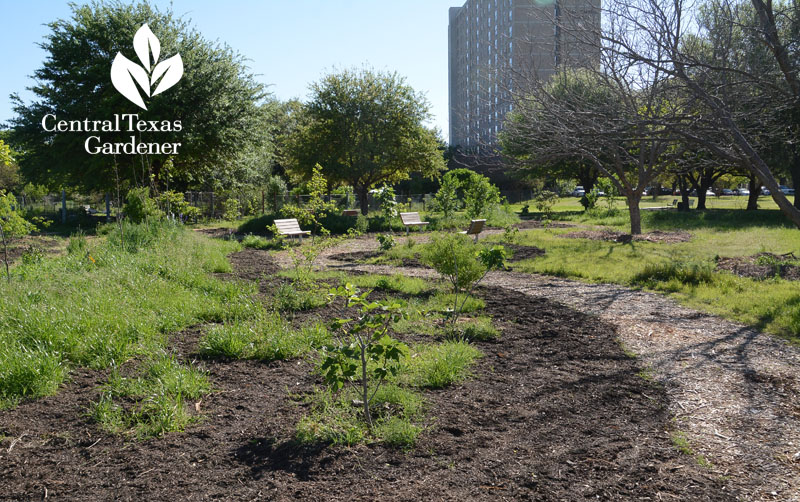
point(614, 119)
point(671, 37)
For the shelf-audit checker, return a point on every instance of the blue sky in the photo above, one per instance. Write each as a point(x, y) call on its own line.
point(290, 43)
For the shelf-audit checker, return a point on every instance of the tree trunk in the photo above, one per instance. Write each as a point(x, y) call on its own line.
point(702, 187)
point(795, 173)
point(636, 216)
point(755, 189)
point(684, 192)
point(587, 177)
point(363, 196)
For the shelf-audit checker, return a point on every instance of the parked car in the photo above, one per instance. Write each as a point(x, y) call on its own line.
point(578, 192)
point(728, 191)
point(765, 191)
point(742, 191)
point(786, 190)
point(709, 193)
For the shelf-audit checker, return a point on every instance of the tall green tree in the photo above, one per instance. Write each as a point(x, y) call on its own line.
point(366, 128)
point(216, 100)
point(9, 172)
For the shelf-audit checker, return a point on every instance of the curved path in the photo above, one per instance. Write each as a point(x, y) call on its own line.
point(735, 392)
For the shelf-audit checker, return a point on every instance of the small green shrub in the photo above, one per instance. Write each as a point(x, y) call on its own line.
point(33, 255)
point(297, 297)
point(386, 242)
point(463, 264)
point(231, 209)
point(140, 206)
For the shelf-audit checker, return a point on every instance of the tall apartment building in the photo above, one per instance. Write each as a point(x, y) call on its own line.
point(492, 43)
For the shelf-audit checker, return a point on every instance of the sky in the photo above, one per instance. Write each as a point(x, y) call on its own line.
point(288, 43)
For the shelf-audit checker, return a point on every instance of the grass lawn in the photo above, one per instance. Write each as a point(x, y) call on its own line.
point(772, 305)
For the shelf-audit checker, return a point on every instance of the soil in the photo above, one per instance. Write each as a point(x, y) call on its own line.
point(555, 411)
point(529, 224)
point(748, 266)
point(523, 252)
point(611, 235)
point(18, 246)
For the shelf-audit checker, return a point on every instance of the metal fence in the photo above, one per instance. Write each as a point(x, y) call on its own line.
point(212, 204)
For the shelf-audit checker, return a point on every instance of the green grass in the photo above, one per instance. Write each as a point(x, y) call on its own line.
point(107, 302)
point(266, 338)
point(437, 366)
point(154, 402)
point(686, 270)
point(681, 443)
point(334, 419)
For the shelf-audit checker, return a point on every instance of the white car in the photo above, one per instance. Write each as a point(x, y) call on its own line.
point(786, 190)
point(578, 192)
point(743, 191)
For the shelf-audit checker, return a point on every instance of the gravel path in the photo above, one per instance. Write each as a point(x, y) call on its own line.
point(734, 391)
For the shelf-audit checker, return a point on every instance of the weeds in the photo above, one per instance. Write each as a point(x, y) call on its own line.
point(154, 402)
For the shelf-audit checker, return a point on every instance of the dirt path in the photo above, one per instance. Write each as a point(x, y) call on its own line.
point(734, 391)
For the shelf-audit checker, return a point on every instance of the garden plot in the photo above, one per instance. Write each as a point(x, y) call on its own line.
point(553, 410)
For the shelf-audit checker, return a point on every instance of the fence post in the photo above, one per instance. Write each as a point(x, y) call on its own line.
point(63, 206)
point(263, 203)
point(108, 208)
point(212, 205)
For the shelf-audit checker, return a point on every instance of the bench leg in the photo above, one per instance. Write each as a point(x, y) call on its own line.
point(407, 229)
point(476, 238)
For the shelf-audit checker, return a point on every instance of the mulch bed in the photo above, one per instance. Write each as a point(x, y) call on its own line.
point(611, 235)
point(529, 224)
point(555, 411)
point(748, 266)
point(523, 252)
point(17, 247)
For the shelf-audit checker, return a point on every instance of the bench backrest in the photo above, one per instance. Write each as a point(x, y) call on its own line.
point(289, 226)
point(475, 227)
point(410, 218)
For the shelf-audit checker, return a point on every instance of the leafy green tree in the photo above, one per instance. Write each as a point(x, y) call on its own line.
point(480, 195)
point(366, 128)
point(9, 171)
point(223, 129)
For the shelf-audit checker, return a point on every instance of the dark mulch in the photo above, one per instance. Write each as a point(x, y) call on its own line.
point(749, 266)
point(356, 256)
point(529, 224)
point(555, 411)
point(612, 235)
point(17, 247)
point(523, 252)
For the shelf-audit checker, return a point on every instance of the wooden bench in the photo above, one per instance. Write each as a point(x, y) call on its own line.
point(475, 228)
point(350, 212)
point(291, 228)
point(412, 220)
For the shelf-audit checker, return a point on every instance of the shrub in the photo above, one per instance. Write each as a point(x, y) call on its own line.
point(231, 209)
point(364, 355)
point(463, 264)
point(544, 201)
point(386, 242)
point(140, 206)
point(446, 198)
point(480, 196)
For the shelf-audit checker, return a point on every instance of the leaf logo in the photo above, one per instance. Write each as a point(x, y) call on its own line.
point(153, 77)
